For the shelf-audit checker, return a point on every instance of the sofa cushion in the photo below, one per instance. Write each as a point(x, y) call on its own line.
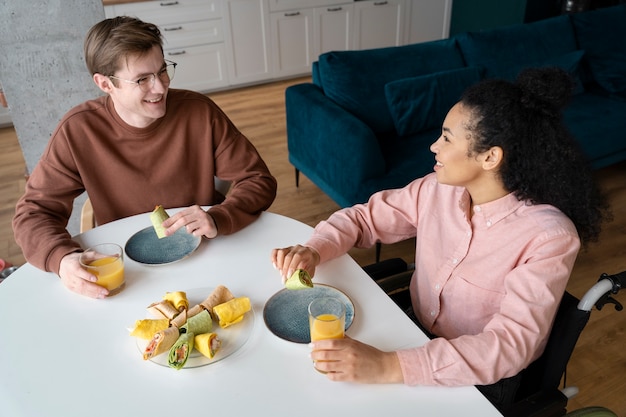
point(505, 51)
point(601, 33)
point(421, 103)
point(356, 79)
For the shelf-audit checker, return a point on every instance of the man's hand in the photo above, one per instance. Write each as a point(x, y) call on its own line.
point(195, 220)
point(79, 280)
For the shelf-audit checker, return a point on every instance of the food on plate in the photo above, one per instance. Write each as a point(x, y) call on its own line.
point(179, 329)
point(163, 309)
point(208, 344)
point(232, 311)
point(178, 299)
point(220, 295)
point(200, 323)
point(197, 309)
point(180, 350)
point(146, 328)
point(161, 342)
point(180, 319)
point(157, 217)
point(299, 280)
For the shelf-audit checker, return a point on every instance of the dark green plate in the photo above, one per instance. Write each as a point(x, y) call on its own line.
point(145, 247)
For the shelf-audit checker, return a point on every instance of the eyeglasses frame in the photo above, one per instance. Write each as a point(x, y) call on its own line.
point(153, 76)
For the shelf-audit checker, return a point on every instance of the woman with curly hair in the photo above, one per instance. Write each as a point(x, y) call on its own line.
point(498, 226)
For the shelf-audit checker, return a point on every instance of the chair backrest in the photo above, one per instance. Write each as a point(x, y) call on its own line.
point(546, 372)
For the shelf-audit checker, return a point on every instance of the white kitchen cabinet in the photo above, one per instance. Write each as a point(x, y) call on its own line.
point(429, 20)
point(193, 37)
point(380, 23)
point(333, 29)
point(292, 42)
point(246, 25)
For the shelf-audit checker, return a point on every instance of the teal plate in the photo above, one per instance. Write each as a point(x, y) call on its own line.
point(286, 312)
point(145, 247)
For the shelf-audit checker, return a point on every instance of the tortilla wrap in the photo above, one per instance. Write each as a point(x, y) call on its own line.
point(163, 310)
point(232, 311)
point(200, 323)
point(178, 299)
point(157, 217)
point(180, 350)
point(220, 295)
point(180, 319)
point(161, 342)
point(146, 328)
point(208, 344)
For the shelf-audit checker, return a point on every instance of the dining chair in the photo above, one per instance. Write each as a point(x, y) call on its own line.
point(88, 222)
point(539, 394)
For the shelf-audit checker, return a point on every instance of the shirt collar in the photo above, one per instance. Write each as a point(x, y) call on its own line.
point(492, 212)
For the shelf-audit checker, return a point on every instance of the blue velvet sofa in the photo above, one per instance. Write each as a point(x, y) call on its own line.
point(367, 119)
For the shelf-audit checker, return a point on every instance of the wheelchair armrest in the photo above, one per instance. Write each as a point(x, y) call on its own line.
point(548, 403)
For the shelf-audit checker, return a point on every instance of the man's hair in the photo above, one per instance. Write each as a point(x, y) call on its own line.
point(113, 40)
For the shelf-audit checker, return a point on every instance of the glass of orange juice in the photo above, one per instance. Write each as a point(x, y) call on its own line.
point(106, 262)
point(327, 318)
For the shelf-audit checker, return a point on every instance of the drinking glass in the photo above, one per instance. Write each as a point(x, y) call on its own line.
point(327, 318)
point(106, 262)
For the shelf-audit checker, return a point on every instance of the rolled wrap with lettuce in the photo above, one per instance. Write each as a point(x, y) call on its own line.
point(180, 350)
point(161, 342)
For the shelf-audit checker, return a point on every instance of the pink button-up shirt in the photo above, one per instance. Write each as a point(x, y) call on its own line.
point(489, 284)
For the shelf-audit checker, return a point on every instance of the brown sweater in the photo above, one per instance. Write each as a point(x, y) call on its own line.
point(127, 171)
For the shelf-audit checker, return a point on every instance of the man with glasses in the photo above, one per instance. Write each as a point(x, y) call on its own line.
point(138, 146)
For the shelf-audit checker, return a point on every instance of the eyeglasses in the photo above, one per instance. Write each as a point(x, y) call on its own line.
point(145, 83)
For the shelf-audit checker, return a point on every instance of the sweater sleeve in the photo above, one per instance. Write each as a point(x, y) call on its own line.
point(42, 213)
point(253, 187)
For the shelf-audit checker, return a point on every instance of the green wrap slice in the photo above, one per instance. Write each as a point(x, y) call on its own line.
point(299, 280)
point(200, 323)
point(179, 352)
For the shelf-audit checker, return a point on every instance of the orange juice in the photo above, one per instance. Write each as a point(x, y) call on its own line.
point(326, 326)
point(109, 270)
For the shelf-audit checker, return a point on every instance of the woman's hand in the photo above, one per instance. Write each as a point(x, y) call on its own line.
point(287, 260)
point(195, 220)
point(77, 279)
point(350, 360)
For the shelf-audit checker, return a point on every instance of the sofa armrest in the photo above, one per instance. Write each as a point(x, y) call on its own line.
point(329, 144)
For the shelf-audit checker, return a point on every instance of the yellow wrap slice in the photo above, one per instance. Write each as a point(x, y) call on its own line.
point(232, 311)
point(146, 328)
point(178, 299)
point(208, 344)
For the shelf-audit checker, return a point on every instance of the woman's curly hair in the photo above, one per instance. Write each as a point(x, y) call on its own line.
point(542, 162)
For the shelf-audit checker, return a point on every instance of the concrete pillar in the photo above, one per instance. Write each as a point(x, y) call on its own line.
point(42, 68)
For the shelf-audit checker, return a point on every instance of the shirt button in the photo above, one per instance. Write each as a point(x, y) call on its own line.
point(477, 208)
point(432, 313)
point(488, 223)
point(455, 261)
point(437, 286)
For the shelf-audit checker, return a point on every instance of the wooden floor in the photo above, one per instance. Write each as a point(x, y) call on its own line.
point(598, 367)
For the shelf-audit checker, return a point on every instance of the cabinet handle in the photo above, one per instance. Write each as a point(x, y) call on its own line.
point(380, 3)
point(334, 9)
point(172, 29)
point(183, 52)
point(168, 3)
point(292, 14)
